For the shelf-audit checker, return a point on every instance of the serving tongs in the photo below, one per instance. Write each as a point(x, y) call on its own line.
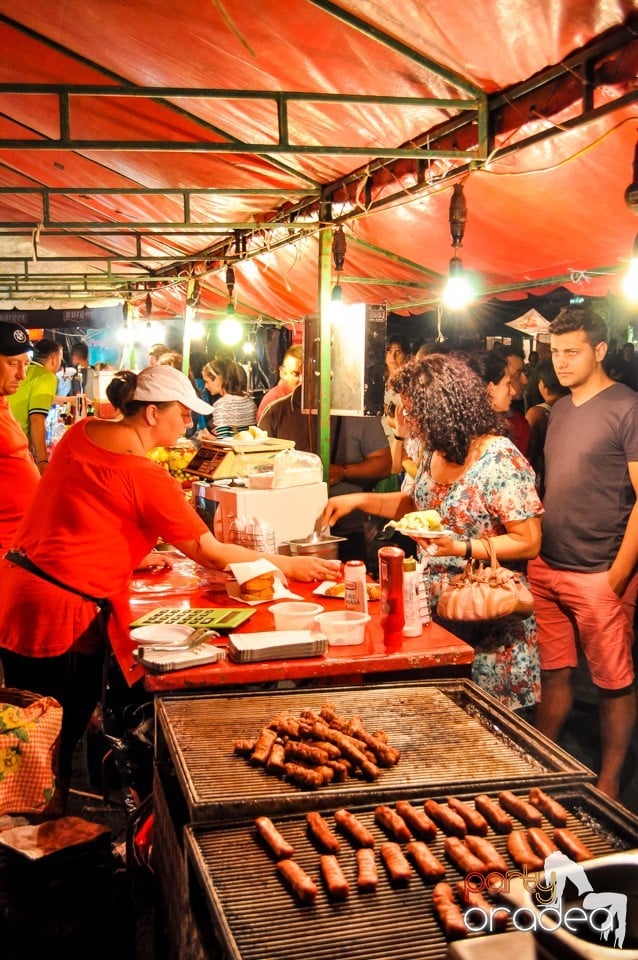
point(194, 639)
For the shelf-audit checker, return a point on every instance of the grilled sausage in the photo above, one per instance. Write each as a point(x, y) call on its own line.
point(303, 887)
point(552, 809)
point(269, 833)
point(474, 819)
point(418, 822)
point(428, 865)
point(571, 844)
point(304, 776)
point(521, 852)
point(322, 833)
point(462, 857)
point(276, 761)
point(397, 866)
point(487, 853)
point(367, 877)
point(521, 809)
point(385, 755)
point(265, 740)
point(448, 911)
point(450, 822)
point(499, 821)
point(336, 884)
point(334, 753)
point(349, 823)
point(472, 898)
point(322, 731)
point(305, 753)
point(541, 842)
point(244, 748)
point(392, 823)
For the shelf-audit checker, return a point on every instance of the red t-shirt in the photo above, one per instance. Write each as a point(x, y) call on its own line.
point(19, 475)
point(97, 514)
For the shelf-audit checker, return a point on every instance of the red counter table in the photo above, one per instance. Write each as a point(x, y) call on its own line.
point(437, 652)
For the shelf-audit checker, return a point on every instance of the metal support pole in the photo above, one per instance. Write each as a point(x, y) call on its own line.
point(323, 393)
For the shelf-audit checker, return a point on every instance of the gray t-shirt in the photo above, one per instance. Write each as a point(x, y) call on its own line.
point(588, 493)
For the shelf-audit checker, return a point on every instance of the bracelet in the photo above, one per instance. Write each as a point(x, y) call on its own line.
point(42, 461)
point(468, 549)
point(399, 438)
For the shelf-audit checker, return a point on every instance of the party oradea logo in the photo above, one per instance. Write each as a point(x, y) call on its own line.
point(589, 914)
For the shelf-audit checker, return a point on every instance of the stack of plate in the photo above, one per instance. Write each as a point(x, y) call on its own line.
point(275, 645)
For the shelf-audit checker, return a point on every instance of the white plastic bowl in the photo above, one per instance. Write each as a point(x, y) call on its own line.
point(295, 614)
point(343, 627)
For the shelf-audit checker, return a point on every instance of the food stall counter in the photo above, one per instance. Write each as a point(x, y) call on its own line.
point(437, 652)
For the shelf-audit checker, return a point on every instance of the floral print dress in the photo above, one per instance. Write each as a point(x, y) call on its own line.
point(499, 487)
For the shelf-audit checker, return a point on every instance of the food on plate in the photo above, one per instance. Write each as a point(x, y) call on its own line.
point(448, 911)
point(303, 887)
point(258, 588)
point(354, 828)
point(418, 822)
point(417, 520)
point(336, 884)
point(319, 747)
point(449, 821)
point(428, 865)
point(339, 590)
point(521, 852)
point(392, 823)
point(572, 845)
point(541, 842)
point(398, 868)
point(367, 876)
point(498, 819)
point(521, 809)
point(486, 852)
point(552, 809)
point(270, 835)
point(462, 857)
point(321, 832)
point(472, 898)
point(474, 819)
point(252, 433)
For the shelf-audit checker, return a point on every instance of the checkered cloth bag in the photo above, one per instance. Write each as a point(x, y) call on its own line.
point(29, 740)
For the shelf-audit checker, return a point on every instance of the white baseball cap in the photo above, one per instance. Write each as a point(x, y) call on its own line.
point(165, 383)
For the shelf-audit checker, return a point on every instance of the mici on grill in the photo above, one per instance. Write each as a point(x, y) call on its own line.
point(314, 749)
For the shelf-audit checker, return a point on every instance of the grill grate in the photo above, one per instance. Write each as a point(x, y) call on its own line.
point(450, 735)
point(255, 917)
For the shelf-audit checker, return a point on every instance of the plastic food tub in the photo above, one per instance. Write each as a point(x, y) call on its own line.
point(343, 627)
point(295, 614)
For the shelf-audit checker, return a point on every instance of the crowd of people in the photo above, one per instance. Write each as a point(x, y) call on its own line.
point(538, 455)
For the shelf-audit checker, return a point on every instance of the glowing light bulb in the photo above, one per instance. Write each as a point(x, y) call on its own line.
point(630, 281)
point(230, 331)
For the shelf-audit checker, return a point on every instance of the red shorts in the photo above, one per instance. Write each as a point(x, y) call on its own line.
point(580, 609)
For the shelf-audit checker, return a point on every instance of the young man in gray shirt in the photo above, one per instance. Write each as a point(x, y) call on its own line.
point(585, 580)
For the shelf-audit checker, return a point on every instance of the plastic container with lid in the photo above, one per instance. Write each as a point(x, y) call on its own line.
point(295, 614)
point(343, 628)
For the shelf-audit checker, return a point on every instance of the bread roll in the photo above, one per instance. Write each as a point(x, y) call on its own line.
point(258, 588)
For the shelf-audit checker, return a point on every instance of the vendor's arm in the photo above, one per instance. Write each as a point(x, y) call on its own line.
point(375, 466)
point(522, 541)
point(38, 440)
point(626, 559)
point(211, 552)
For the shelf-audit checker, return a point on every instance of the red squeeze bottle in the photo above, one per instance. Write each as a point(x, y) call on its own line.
point(391, 583)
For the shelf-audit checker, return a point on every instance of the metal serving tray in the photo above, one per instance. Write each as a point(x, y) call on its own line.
point(451, 736)
point(243, 906)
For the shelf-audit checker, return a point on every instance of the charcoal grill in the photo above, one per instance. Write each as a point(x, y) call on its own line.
point(245, 912)
point(451, 736)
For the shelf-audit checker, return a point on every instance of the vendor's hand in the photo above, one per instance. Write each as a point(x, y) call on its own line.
point(338, 507)
point(310, 568)
point(153, 562)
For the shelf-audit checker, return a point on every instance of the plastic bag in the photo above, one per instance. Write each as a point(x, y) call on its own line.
point(296, 468)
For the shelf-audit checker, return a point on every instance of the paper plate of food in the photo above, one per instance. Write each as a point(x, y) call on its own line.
point(420, 523)
point(338, 590)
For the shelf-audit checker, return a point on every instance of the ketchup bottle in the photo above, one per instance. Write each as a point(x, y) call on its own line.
point(391, 583)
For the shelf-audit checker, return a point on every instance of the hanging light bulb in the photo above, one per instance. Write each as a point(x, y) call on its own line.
point(458, 290)
point(630, 280)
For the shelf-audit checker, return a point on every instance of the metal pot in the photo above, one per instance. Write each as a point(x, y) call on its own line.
point(314, 546)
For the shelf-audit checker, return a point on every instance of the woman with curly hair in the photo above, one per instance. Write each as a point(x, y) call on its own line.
point(482, 486)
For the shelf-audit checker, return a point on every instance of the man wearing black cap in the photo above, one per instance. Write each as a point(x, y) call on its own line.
point(18, 473)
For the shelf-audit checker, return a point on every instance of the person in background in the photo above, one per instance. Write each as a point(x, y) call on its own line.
point(234, 410)
point(481, 486)
point(532, 394)
point(397, 351)
point(290, 373)
point(359, 458)
point(585, 581)
point(517, 425)
point(155, 352)
point(83, 381)
point(538, 417)
point(101, 507)
point(34, 398)
point(19, 475)
point(491, 367)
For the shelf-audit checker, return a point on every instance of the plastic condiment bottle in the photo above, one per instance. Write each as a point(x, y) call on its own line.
point(391, 583)
point(413, 626)
point(354, 580)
